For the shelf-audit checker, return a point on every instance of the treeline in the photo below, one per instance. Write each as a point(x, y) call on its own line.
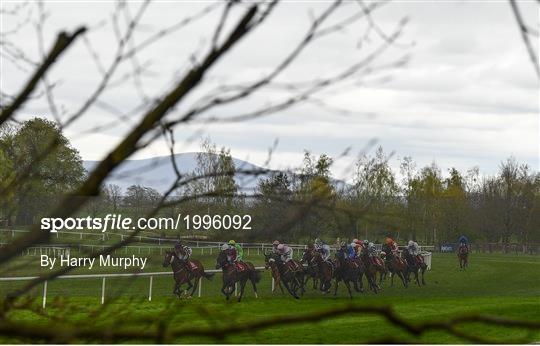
point(418, 203)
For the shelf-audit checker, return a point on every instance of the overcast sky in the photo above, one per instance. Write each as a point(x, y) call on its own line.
point(467, 96)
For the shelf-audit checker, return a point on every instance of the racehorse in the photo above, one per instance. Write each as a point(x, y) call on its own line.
point(415, 265)
point(463, 256)
point(325, 271)
point(291, 274)
point(371, 270)
point(232, 274)
point(312, 271)
point(182, 275)
point(275, 275)
point(396, 266)
point(348, 271)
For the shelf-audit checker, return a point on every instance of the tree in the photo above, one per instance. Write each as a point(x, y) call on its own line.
point(139, 199)
point(376, 195)
point(58, 171)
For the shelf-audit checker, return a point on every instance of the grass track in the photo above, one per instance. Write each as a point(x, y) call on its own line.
point(496, 284)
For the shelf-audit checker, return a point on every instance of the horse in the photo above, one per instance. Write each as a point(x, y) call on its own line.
point(396, 266)
point(292, 276)
point(311, 271)
point(182, 275)
point(371, 270)
point(347, 270)
point(463, 256)
point(275, 274)
point(232, 275)
point(415, 265)
point(325, 271)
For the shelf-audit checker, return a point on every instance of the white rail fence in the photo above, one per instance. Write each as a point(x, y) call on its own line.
point(426, 255)
point(194, 243)
point(105, 276)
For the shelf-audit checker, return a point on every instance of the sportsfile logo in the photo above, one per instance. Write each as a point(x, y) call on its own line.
point(109, 222)
point(118, 222)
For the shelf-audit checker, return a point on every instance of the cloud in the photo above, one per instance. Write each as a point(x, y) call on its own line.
point(468, 95)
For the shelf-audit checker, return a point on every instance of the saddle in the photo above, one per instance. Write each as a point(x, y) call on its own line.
point(377, 261)
point(240, 266)
point(353, 264)
point(292, 265)
point(192, 265)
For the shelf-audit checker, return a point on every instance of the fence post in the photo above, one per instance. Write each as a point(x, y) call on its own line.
point(236, 289)
point(44, 294)
point(273, 284)
point(200, 286)
point(150, 289)
point(103, 291)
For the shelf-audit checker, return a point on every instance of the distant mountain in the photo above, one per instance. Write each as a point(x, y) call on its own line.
point(159, 174)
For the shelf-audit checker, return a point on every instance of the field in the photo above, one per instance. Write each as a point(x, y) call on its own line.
point(507, 286)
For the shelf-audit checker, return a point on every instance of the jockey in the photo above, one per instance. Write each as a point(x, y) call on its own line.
point(239, 250)
point(413, 248)
point(285, 251)
point(392, 245)
point(275, 245)
point(463, 247)
point(183, 252)
point(463, 243)
point(372, 251)
point(352, 249)
point(357, 246)
point(232, 255)
point(323, 248)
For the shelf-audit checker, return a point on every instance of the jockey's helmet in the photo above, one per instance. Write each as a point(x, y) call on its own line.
point(411, 243)
point(275, 243)
point(224, 247)
point(355, 241)
point(281, 247)
point(389, 240)
point(232, 242)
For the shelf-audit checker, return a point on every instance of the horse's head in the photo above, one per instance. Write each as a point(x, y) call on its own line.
point(307, 255)
point(169, 258)
point(221, 260)
point(269, 259)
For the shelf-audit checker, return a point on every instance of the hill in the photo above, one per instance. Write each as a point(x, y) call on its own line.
point(158, 172)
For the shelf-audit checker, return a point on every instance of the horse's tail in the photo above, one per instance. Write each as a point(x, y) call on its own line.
point(208, 276)
point(255, 276)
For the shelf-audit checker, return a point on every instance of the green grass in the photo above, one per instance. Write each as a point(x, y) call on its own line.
point(496, 284)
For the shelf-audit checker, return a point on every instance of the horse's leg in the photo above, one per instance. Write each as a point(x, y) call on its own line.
point(286, 283)
point(195, 285)
point(242, 286)
point(401, 274)
point(336, 288)
point(301, 276)
point(360, 281)
point(254, 285)
point(424, 267)
point(348, 287)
